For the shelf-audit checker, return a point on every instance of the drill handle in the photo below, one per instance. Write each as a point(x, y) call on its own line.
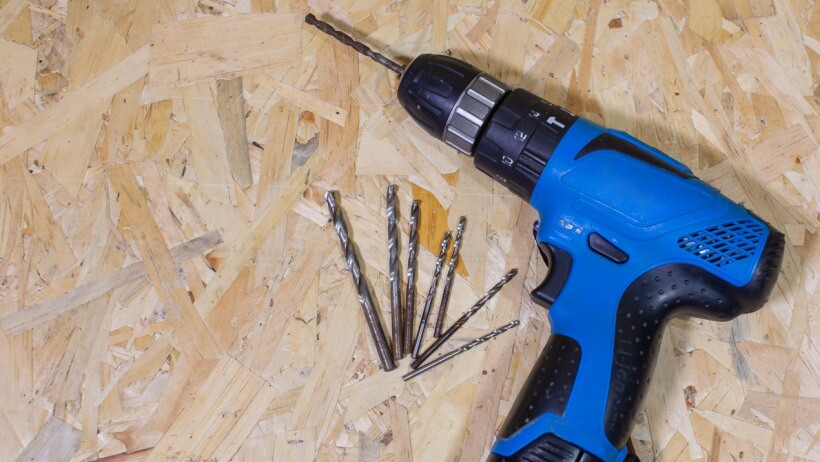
point(528, 434)
point(561, 409)
point(588, 385)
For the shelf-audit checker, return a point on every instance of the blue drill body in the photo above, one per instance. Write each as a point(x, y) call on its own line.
point(644, 211)
point(631, 237)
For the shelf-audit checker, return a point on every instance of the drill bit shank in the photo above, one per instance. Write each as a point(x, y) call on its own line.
point(410, 300)
point(448, 281)
point(461, 349)
point(464, 317)
point(362, 289)
point(431, 294)
point(356, 45)
point(393, 274)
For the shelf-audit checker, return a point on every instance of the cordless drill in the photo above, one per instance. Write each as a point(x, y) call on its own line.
point(631, 238)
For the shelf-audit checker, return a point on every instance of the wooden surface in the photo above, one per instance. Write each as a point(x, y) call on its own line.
point(170, 287)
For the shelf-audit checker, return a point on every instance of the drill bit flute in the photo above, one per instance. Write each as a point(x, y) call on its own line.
point(410, 301)
point(358, 46)
point(431, 294)
point(461, 349)
point(362, 289)
point(464, 317)
point(393, 274)
point(448, 281)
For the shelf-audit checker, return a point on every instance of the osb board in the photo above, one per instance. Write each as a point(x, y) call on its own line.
point(120, 147)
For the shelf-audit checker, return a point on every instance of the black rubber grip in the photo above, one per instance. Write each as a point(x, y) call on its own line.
point(547, 448)
point(611, 142)
point(657, 296)
point(548, 386)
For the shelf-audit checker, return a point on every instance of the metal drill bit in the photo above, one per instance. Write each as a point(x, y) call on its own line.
point(464, 317)
point(358, 46)
point(393, 274)
point(410, 301)
point(461, 349)
point(362, 289)
point(448, 281)
point(431, 294)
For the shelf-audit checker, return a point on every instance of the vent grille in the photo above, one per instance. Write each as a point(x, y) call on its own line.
point(724, 244)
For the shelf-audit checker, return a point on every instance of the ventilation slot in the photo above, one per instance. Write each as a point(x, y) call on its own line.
point(724, 244)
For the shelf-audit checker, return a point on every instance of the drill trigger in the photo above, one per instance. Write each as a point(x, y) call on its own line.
point(559, 262)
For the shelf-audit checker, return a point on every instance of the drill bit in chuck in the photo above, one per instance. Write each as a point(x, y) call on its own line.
point(431, 294)
point(464, 317)
point(358, 46)
point(461, 349)
point(448, 281)
point(393, 274)
point(362, 289)
point(410, 300)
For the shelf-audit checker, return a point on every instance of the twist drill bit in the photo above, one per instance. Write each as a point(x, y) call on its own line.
point(393, 274)
point(448, 281)
point(431, 294)
point(358, 46)
point(464, 317)
point(362, 289)
point(410, 300)
point(461, 349)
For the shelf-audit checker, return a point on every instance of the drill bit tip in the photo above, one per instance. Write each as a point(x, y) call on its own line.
point(352, 43)
point(330, 198)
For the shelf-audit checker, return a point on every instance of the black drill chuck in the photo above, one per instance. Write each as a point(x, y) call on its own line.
point(510, 134)
point(449, 98)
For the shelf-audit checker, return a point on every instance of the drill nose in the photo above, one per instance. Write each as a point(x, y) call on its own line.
point(449, 98)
